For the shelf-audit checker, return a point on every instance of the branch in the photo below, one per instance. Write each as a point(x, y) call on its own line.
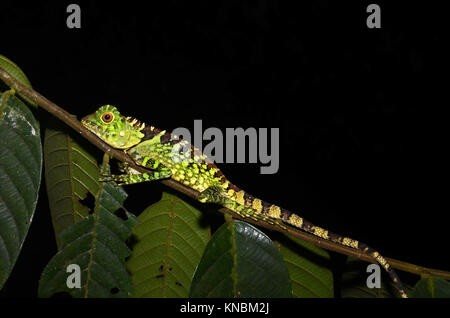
point(72, 121)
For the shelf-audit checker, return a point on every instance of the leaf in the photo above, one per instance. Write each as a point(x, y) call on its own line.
point(308, 266)
point(20, 177)
point(97, 245)
point(170, 243)
point(18, 74)
point(241, 261)
point(431, 288)
point(71, 174)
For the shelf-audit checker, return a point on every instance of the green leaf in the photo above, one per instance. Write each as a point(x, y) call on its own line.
point(241, 261)
point(20, 177)
point(308, 266)
point(71, 174)
point(97, 245)
point(170, 242)
point(18, 74)
point(431, 288)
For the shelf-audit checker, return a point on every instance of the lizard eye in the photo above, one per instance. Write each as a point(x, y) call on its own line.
point(107, 117)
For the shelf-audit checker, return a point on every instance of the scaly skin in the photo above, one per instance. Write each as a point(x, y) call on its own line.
point(169, 157)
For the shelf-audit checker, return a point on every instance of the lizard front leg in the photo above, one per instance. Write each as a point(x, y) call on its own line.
point(132, 176)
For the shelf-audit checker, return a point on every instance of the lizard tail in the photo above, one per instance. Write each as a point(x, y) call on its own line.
point(249, 206)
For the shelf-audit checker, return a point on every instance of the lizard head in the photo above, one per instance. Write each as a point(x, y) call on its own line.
point(113, 128)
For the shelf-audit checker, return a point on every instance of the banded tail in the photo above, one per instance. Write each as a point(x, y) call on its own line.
point(249, 206)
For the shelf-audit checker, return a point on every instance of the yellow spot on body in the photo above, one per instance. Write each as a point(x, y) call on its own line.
point(240, 197)
point(274, 211)
point(257, 205)
point(295, 220)
point(380, 259)
point(349, 242)
point(320, 232)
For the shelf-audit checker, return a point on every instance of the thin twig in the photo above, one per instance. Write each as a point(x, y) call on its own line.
point(72, 121)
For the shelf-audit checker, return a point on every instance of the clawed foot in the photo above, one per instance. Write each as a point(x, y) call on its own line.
point(111, 177)
point(104, 177)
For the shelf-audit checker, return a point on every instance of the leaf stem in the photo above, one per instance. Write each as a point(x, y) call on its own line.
point(72, 121)
point(94, 232)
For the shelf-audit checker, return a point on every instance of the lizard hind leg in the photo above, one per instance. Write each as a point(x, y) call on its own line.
point(211, 195)
point(215, 194)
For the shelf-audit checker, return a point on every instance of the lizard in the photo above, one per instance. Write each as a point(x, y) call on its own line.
point(168, 156)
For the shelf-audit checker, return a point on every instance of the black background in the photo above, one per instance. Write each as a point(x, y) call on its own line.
point(360, 111)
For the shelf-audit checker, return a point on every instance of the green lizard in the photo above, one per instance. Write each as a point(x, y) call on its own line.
point(166, 156)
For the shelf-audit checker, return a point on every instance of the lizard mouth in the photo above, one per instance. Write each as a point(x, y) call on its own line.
point(93, 127)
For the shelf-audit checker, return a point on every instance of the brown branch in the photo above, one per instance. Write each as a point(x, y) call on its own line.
point(72, 121)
